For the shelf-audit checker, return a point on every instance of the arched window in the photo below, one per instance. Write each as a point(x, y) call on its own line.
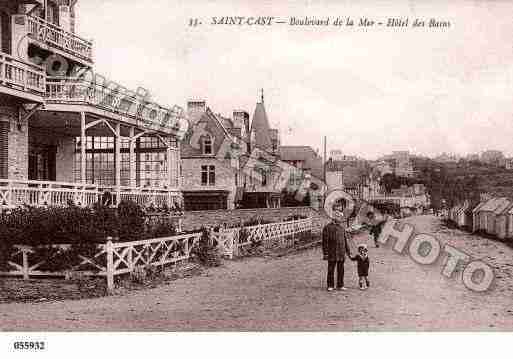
point(208, 145)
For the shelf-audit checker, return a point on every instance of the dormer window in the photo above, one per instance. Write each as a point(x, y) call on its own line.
point(208, 145)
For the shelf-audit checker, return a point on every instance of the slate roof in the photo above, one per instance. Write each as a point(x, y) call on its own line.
point(307, 154)
point(260, 127)
point(296, 153)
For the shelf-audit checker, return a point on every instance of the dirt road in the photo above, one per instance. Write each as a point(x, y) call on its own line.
point(288, 293)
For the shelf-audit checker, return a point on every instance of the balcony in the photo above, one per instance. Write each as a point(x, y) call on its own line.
point(122, 105)
point(54, 37)
point(21, 79)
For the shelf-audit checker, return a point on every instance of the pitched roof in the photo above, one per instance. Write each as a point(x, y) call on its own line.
point(493, 204)
point(260, 127)
point(502, 206)
point(312, 160)
point(296, 153)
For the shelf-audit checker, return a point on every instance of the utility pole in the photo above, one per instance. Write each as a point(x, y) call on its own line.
point(325, 159)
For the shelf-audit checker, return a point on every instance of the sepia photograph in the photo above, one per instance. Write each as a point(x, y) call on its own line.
point(239, 166)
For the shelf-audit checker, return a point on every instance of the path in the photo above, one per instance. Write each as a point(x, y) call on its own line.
point(288, 294)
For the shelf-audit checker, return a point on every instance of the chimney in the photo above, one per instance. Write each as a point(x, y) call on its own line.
point(241, 120)
point(195, 109)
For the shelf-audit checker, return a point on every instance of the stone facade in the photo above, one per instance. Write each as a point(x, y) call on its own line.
point(225, 177)
point(17, 142)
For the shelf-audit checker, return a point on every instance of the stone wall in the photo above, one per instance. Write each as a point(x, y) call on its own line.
point(196, 219)
point(17, 140)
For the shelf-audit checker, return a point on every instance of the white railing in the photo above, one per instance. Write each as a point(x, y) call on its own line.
point(145, 196)
point(21, 75)
point(148, 115)
point(41, 193)
point(113, 259)
point(37, 193)
point(47, 33)
point(232, 240)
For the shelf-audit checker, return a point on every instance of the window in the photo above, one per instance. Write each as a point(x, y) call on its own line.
point(208, 175)
point(150, 166)
point(207, 145)
point(264, 179)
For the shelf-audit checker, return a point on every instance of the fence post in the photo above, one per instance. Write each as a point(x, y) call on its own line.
point(236, 241)
point(109, 248)
point(130, 258)
point(24, 254)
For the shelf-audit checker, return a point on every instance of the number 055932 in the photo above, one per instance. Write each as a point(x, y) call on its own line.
point(29, 345)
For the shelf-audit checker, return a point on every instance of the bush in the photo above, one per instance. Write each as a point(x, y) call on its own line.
point(81, 229)
point(255, 221)
point(205, 252)
point(131, 222)
point(161, 230)
point(295, 217)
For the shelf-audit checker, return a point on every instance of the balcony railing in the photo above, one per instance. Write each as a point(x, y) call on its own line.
point(78, 91)
point(36, 193)
point(43, 193)
point(21, 76)
point(52, 35)
point(145, 197)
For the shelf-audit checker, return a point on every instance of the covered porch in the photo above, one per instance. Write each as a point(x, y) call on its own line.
point(83, 158)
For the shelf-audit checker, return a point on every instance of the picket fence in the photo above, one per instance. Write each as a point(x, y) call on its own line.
point(116, 258)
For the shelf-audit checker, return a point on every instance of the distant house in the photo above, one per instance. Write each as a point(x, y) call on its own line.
point(446, 158)
point(400, 162)
point(349, 176)
point(485, 215)
point(259, 179)
point(210, 179)
point(502, 220)
point(305, 159)
point(493, 157)
point(508, 163)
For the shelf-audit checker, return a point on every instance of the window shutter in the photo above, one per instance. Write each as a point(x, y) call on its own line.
point(4, 149)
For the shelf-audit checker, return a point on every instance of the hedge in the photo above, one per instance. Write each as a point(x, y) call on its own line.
point(81, 230)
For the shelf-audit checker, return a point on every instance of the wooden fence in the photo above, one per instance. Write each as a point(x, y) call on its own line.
point(110, 260)
point(113, 259)
point(232, 240)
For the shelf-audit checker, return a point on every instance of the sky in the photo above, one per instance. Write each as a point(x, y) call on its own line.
point(369, 90)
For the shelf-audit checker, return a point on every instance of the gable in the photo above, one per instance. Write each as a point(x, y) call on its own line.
point(206, 125)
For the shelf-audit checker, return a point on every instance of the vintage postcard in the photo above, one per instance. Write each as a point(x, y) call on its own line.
point(254, 166)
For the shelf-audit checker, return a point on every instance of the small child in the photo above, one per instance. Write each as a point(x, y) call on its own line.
point(362, 259)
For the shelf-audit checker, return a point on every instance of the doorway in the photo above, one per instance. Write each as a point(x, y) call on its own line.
point(42, 162)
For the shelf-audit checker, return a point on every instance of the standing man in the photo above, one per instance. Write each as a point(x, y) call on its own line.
point(334, 248)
